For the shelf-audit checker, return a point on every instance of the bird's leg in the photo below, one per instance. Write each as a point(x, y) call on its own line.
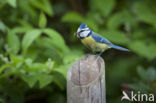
point(99, 53)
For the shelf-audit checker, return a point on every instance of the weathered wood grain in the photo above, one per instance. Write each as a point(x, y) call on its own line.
point(86, 81)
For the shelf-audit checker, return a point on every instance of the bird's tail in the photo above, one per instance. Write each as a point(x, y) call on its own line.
point(118, 47)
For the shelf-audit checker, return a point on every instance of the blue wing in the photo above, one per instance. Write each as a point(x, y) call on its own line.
point(100, 39)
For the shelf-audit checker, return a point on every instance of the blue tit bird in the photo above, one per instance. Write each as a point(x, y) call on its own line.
point(94, 41)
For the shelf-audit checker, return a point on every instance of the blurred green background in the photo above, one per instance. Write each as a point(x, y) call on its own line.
point(37, 46)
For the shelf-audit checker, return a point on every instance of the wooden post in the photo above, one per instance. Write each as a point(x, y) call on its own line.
point(86, 81)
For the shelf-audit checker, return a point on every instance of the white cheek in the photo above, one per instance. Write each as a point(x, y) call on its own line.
point(78, 30)
point(84, 33)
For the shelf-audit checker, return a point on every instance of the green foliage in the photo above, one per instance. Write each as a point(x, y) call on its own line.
point(150, 73)
point(146, 85)
point(29, 37)
point(105, 7)
point(13, 41)
point(118, 36)
point(37, 46)
point(72, 17)
point(143, 49)
point(12, 3)
point(43, 5)
point(146, 12)
point(42, 20)
point(115, 20)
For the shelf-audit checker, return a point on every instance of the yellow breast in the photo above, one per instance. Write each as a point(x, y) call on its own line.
point(92, 44)
point(88, 41)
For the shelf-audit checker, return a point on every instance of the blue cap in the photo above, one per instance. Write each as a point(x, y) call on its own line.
point(83, 25)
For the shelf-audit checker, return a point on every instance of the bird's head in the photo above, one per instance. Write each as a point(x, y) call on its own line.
point(83, 31)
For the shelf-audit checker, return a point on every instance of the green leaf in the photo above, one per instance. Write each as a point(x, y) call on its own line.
point(91, 24)
point(37, 67)
point(56, 39)
point(115, 36)
point(152, 49)
point(42, 20)
point(44, 79)
point(104, 6)
point(24, 25)
point(2, 26)
point(142, 73)
point(115, 20)
point(30, 79)
point(29, 37)
point(43, 5)
point(28, 62)
point(72, 17)
point(15, 59)
point(3, 67)
point(59, 80)
point(13, 41)
point(28, 9)
point(3, 3)
point(22, 29)
point(62, 69)
point(151, 74)
point(138, 34)
point(12, 3)
point(144, 49)
point(146, 11)
point(32, 53)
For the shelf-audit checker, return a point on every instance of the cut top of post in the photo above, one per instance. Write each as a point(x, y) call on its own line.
point(86, 70)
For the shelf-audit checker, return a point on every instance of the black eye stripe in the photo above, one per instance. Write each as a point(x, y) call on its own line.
point(82, 31)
